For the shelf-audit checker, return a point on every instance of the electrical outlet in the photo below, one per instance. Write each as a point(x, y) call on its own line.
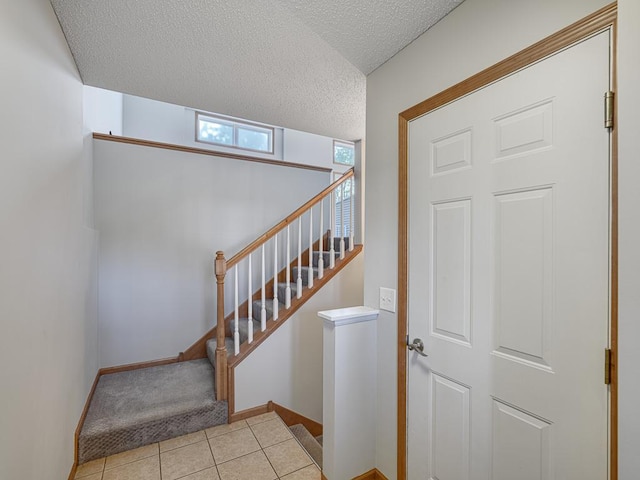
point(388, 299)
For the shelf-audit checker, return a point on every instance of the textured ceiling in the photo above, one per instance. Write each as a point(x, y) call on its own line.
point(370, 32)
point(296, 64)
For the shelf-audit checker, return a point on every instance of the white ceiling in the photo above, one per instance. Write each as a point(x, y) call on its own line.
point(293, 63)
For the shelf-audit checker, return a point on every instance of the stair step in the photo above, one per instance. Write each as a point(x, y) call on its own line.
point(309, 443)
point(140, 407)
point(336, 243)
point(326, 256)
point(212, 343)
point(319, 439)
point(243, 328)
point(304, 272)
point(257, 306)
point(282, 290)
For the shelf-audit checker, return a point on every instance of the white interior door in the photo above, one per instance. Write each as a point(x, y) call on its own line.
point(509, 276)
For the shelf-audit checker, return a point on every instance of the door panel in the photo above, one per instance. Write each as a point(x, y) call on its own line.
point(508, 276)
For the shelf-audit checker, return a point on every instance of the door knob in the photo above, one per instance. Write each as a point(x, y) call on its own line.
point(417, 346)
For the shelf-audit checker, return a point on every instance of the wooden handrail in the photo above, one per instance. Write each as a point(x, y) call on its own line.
point(288, 220)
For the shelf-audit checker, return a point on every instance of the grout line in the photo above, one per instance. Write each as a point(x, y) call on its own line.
point(132, 461)
point(186, 444)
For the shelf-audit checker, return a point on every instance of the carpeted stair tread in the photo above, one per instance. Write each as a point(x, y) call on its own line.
point(304, 273)
point(319, 439)
point(257, 306)
point(282, 290)
point(326, 256)
point(336, 244)
point(212, 343)
point(139, 407)
point(243, 328)
point(309, 443)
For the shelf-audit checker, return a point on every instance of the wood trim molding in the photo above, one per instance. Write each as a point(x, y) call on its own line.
point(137, 366)
point(83, 416)
point(291, 418)
point(373, 474)
point(249, 412)
point(598, 21)
point(204, 151)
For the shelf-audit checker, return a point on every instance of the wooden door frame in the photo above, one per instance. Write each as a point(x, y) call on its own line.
point(600, 20)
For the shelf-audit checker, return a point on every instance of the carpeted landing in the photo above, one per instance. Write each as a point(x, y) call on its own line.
point(140, 407)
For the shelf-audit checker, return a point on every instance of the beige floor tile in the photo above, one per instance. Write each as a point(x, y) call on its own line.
point(271, 432)
point(262, 418)
point(254, 466)
point(226, 428)
point(182, 441)
point(185, 460)
point(208, 474)
point(90, 468)
point(307, 473)
point(233, 445)
point(145, 469)
point(131, 456)
point(287, 457)
point(95, 476)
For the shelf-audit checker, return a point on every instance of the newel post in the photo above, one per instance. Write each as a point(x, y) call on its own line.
point(221, 349)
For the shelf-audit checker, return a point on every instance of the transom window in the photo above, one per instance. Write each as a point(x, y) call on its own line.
point(233, 133)
point(343, 153)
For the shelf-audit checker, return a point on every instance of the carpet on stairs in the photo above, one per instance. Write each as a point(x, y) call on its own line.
point(139, 407)
point(309, 443)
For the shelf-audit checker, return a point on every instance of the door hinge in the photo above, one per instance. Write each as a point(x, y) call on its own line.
point(607, 366)
point(609, 98)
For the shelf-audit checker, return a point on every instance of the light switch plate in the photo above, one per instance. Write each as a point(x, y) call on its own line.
point(388, 299)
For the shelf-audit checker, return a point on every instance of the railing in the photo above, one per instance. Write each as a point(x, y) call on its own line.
point(333, 206)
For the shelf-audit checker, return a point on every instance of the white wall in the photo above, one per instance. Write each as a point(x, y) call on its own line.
point(629, 236)
point(287, 367)
point(161, 216)
point(48, 342)
point(307, 148)
point(474, 36)
point(165, 122)
point(102, 110)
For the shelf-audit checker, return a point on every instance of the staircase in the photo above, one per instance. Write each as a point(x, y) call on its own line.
point(244, 326)
point(137, 405)
point(313, 445)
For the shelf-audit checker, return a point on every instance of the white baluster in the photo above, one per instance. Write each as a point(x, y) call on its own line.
point(263, 309)
point(321, 249)
point(332, 232)
point(310, 273)
point(342, 220)
point(250, 305)
point(236, 332)
point(352, 220)
point(299, 279)
point(275, 277)
point(287, 294)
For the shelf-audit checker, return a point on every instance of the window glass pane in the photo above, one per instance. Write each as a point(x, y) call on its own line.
point(215, 132)
point(343, 154)
point(254, 139)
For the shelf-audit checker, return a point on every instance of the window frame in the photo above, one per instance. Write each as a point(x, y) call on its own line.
point(236, 125)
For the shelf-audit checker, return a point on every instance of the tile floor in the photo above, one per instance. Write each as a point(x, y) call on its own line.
point(259, 448)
